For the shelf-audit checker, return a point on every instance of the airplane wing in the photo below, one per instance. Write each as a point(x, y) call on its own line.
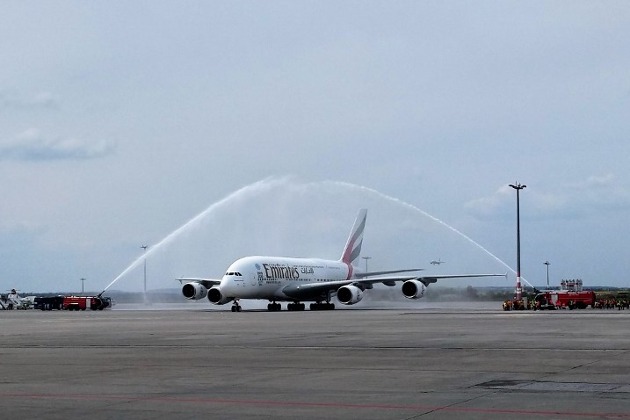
point(323, 289)
point(310, 290)
point(207, 283)
point(379, 273)
point(432, 279)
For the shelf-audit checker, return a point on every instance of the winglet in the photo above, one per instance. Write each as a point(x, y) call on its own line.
point(352, 250)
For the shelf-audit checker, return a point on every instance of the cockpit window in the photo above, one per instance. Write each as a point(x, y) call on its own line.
point(233, 273)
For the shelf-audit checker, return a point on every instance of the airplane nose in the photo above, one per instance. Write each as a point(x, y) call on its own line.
point(227, 286)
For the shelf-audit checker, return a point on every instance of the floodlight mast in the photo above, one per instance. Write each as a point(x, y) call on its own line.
point(547, 263)
point(519, 289)
point(144, 247)
point(366, 263)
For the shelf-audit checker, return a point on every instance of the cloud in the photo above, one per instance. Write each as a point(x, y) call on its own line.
point(602, 193)
point(494, 206)
point(13, 99)
point(594, 195)
point(32, 145)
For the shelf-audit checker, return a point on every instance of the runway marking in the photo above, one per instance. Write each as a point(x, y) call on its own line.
point(549, 386)
point(179, 346)
point(306, 404)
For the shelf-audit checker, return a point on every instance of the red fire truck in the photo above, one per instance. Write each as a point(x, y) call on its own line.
point(75, 303)
point(570, 296)
point(560, 299)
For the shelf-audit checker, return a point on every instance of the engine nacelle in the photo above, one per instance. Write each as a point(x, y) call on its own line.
point(216, 297)
point(194, 291)
point(413, 289)
point(349, 295)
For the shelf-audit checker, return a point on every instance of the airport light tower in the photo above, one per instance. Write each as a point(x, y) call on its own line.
point(145, 270)
point(547, 263)
point(366, 260)
point(519, 289)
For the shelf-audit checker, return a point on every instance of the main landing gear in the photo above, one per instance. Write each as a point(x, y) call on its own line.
point(294, 306)
point(297, 306)
point(274, 307)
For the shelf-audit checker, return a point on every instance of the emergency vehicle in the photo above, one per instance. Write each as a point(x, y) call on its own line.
point(76, 303)
point(48, 303)
point(569, 296)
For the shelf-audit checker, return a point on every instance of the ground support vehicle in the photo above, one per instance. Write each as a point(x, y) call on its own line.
point(561, 299)
point(76, 303)
point(48, 303)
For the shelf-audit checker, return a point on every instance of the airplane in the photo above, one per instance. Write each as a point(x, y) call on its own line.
point(296, 280)
point(437, 262)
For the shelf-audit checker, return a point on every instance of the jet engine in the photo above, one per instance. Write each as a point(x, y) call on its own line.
point(216, 297)
point(194, 291)
point(413, 289)
point(349, 295)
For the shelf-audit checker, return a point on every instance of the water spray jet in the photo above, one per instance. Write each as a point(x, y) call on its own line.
point(278, 198)
point(435, 219)
point(266, 182)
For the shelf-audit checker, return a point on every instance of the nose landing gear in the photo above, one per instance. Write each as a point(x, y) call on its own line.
point(236, 307)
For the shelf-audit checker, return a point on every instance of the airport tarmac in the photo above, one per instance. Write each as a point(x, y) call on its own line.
point(429, 361)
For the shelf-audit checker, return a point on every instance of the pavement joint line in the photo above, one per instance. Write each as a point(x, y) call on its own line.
point(319, 404)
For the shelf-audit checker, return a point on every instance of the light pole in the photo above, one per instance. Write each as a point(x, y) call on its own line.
point(547, 263)
point(366, 260)
point(145, 270)
point(519, 290)
point(82, 285)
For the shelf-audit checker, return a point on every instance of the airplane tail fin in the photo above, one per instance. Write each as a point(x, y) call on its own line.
point(352, 250)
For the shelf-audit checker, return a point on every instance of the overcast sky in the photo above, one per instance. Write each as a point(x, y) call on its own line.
point(275, 121)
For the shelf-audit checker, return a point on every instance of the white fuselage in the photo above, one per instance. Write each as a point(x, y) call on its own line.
point(265, 277)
